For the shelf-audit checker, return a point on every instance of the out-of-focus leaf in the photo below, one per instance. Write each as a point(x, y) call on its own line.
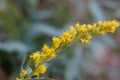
point(42, 15)
point(72, 70)
point(108, 4)
point(15, 46)
point(9, 24)
point(41, 28)
point(97, 49)
point(108, 40)
point(96, 10)
point(41, 79)
point(51, 60)
point(2, 5)
point(61, 16)
point(40, 33)
point(14, 12)
point(117, 13)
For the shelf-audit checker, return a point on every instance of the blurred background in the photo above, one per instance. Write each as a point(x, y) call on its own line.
point(25, 25)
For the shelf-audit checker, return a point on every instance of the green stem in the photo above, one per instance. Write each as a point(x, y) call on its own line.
point(21, 68)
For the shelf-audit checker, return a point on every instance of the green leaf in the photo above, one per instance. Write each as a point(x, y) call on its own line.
point(51, 60)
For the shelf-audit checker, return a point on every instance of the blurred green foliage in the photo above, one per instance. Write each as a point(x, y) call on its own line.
point(26, 24)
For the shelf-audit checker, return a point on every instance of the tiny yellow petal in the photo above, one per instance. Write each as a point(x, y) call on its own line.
point(18, 79)
point(56, 42)
point(23, 73)
point(40, 70)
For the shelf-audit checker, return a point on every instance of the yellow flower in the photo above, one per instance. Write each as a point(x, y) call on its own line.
point(84, 41)
point(18, 79)
point(77, 26)
point(47, 52)
point(36, 57)
point(86, 38)
point(92, 28)
point(72, 31)
point(79, 33)
point(83, 29)
point(107, 26)
point(56, 42)
point(23, 73)
point(66, 37)
point(40, 70)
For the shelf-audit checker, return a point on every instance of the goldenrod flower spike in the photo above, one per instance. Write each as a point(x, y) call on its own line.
point(79, 33)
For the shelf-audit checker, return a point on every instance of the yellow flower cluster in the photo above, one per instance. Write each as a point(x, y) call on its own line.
point(56, 43)
point(79, 33)
point(109, 26)
point(18, 79)
point(66, 37)
point(85, 32)
point(39, 58)
point(47, 52)
point(40, 70)
point(23, 73)
point(35, 56)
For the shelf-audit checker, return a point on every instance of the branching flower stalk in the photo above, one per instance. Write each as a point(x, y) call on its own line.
point(77, 34)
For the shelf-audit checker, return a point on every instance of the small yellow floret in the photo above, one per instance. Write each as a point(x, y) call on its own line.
point(40, 70)
point(77, 25)
point(23, 73)
point(56, 42)
point(47, 52)
point(83, 29)
point(36, 57)
point(66, 37)
point(72, 31)
point(18, 79)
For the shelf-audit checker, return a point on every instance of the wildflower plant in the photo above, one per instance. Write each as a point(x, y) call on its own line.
point(76, 34)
